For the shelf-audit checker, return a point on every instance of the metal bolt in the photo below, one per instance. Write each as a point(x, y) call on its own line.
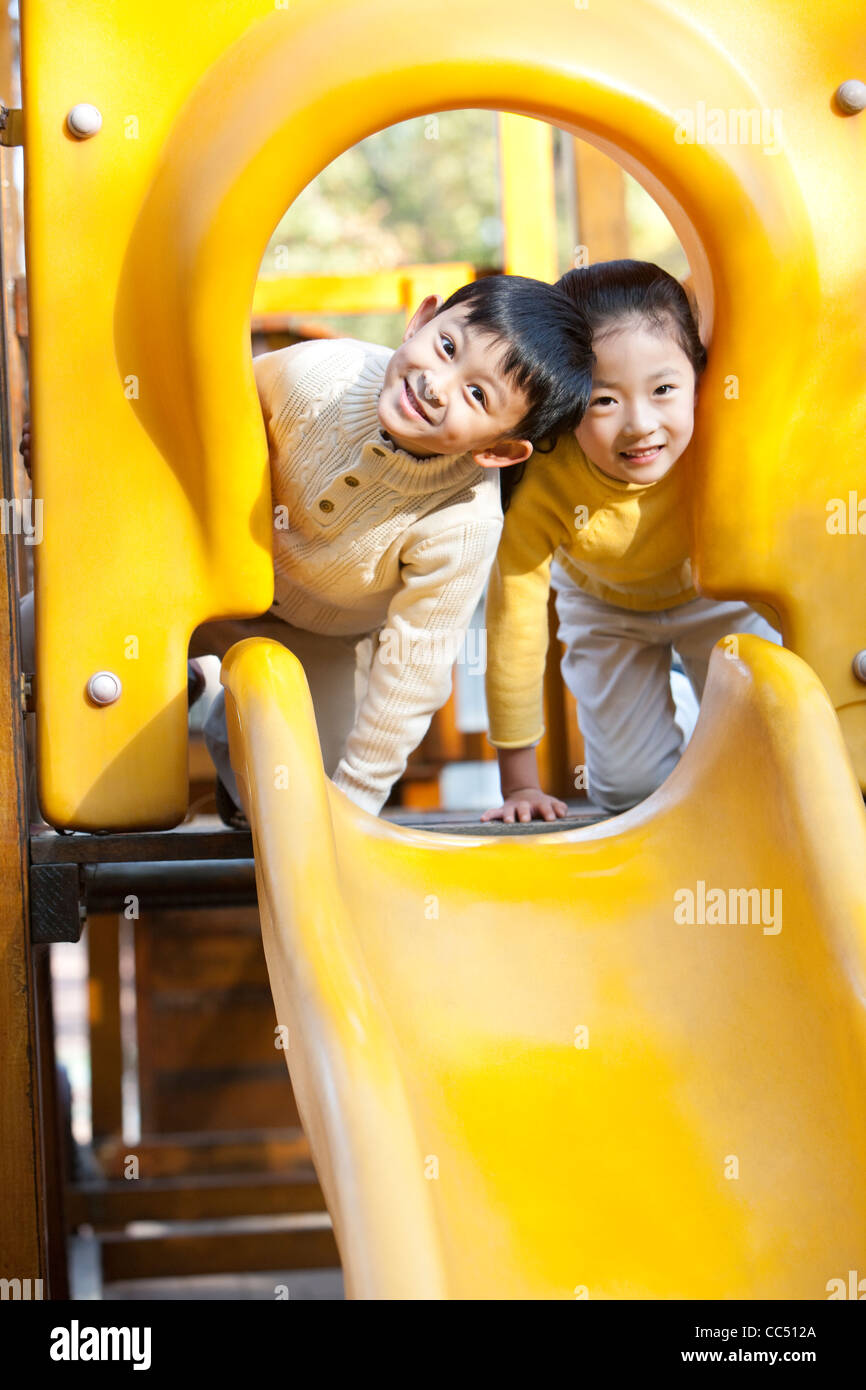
point(851, 96)
point(11, 126)
point(104, 688)
point(84, 120)
point(28, 698)
point(859, 666)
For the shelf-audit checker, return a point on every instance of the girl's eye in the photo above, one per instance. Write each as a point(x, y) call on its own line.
point(478, 393)
point(603, 400)
point(448, 345)
point(665, 388)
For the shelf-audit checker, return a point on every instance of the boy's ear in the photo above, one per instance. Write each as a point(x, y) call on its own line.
point(427, 309)
point(503, 453)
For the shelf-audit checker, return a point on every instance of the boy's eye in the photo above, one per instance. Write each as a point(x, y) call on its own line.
point(478, 394)
point(447, 344)
point(667, 387)
point(603, 400)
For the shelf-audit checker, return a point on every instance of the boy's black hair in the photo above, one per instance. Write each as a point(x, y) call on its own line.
point(548, 347)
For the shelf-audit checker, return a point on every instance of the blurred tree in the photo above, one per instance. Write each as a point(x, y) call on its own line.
point(427, 190)
point(424, 190)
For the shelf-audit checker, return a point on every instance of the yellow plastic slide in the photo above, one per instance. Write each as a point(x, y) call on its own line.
point(625, 1061)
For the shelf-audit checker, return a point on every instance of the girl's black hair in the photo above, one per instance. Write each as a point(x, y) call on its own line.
point(613, 290)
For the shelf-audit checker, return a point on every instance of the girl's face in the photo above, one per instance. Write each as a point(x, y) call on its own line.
point(642, 409)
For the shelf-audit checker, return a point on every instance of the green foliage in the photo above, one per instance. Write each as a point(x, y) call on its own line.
point(423, 191)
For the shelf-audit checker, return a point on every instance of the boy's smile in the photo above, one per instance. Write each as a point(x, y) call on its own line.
point(444, 391)
point(411, 403)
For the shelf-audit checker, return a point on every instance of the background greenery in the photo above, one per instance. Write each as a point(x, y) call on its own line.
point(428, 190)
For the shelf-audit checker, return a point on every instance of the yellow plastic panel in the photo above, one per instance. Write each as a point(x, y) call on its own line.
point(148, 531)
point(144, 244)
point(521, 1075)
point(379, 292)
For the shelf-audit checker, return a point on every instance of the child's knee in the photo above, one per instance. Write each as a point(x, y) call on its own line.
point(616, 799)
point(215, 728)
point(617, 789)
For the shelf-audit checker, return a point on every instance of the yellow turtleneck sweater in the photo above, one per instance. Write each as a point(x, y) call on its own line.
point(626, 543)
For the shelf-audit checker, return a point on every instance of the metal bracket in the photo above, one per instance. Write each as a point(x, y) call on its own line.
point(28, 692)
point(74, 874)
point(11, 125)
point(56, 903)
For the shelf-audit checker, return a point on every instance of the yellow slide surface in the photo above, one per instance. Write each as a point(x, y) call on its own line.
point(625, 1061)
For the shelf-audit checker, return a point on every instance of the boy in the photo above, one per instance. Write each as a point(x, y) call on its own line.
point(385, 479)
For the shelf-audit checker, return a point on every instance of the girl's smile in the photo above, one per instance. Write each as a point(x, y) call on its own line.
point(642, 455)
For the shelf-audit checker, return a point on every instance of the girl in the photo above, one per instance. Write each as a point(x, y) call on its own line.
point(603, 518)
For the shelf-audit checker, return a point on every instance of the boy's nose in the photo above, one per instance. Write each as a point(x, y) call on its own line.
point(431, 391)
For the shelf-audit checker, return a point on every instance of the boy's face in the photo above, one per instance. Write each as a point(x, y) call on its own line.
point(641, 412)
point(444, 391)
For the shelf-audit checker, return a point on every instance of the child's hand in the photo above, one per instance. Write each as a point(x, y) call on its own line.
point(527, 802)
point(24, 446)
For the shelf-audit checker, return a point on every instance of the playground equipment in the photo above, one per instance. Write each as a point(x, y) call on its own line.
point(152, 465)
point(529, 1069)
point(151, 453)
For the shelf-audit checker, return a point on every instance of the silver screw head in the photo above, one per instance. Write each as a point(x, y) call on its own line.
point(104, 687)
point(851, 96)
point(84, 120)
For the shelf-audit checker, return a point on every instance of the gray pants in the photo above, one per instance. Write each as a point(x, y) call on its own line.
point(617, 664)
point(337, 670)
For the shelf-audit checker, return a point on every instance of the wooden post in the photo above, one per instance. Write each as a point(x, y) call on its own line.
point(23, 1253)
point(12, 232)
point(602, 224)
point(106, 1050)
point(57, 1158)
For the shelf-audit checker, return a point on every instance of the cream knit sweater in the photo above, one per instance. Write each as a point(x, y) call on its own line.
point(368, 538)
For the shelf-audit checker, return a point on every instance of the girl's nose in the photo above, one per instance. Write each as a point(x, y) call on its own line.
point(640, 420)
